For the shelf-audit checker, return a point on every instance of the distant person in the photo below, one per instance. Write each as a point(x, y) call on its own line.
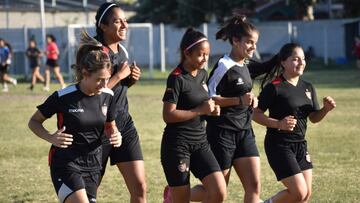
point(111, 28)
point(85, 111)
point(184, 147)
point(52, 54)
point(357, 51)
point(5, 61)
point(290, 101)
point(34, 56)
point(309, 53)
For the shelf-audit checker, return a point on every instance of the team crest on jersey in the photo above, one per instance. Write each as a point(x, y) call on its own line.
point(205, 86)
point(104, 109)
point(308, 94)
point(240, 81)
point(307, 157)
point(182, 167)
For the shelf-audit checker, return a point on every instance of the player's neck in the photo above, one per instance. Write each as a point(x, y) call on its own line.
point(85, 90)
point(189, 69)
point(113, 45)
point(291, 79)
point(236, 57)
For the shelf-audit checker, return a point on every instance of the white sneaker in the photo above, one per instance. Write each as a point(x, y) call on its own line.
point(14, 82)
point(5, 89)
point(46, 88)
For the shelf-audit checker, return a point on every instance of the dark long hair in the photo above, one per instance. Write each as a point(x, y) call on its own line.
point(285, 52)
point(90, 57)
point(190, 37)
point(236, 27)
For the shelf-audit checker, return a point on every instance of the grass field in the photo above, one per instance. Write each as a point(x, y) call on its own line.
point(333, 144)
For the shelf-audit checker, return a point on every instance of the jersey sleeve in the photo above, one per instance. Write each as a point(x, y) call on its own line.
point(50, 106)
point(111, 114)
point(258, 68)
point(172, 91)
point(267, 97)
point(316, 106)
point(216, 81)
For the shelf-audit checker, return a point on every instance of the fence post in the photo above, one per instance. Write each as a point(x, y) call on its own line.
point(162, 47)
point(25, 48)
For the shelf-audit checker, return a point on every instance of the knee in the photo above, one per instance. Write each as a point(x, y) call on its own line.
point(300, 195)
point(307, 195)
point(139, 189)
point(253, 187)
point(219, 195)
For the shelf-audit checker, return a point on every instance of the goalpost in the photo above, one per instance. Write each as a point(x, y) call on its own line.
point(139, 44)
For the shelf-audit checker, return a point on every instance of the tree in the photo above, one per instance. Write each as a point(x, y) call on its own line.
point(188, 12)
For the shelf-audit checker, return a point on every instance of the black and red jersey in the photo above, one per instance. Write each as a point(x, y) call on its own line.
point(187, 92)
point(282, 99)
point(84, 117)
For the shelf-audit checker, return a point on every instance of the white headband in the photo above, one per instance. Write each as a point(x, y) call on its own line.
point(197, 42)
point(102, 15)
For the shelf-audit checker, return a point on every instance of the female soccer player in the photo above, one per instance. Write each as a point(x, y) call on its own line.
point(230, 85)
point(290, 101)
point(52, 54)
point(34, 55)
point(5, 61)
point(184, 147)
point(111, 28)
point(84, 111)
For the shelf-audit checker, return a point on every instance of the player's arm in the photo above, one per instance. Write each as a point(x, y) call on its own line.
point(134, 75)
point(122, 73)
point(287, 123)
point(112, 132)
point(244, 100)
point(59, 138)
point(329, 104)
point(173, 115)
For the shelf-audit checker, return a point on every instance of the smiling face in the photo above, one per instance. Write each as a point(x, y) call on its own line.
point(116, 27)
point(294, 65)
point(95, 82)
point(245, 47)
point(197, 57)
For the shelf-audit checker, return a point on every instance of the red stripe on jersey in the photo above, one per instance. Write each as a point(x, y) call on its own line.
point(277, 80)
point(51, 154)
point(60, 120)
point(176, 72)
point(106, 50)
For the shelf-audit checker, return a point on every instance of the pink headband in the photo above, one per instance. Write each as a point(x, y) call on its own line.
point(193, 44)
point(102, 15)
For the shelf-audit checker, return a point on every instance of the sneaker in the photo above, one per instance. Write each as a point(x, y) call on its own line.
point(5, 89)
point(14, 82)
point(46, 88)
point(63, 86)
point(31, 88)
point(167, 195)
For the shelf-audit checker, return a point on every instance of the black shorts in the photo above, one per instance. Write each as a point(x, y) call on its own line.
point(130, 149)
point(4, 68)
point(34, 65)
point(52, 63)
point(178, 159)
point(229, 145)
point(68, 181)
point(287, 158)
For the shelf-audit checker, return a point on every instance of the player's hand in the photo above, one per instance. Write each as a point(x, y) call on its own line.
point(329, 103)
point(255, 102)
point(247, 99)
point(288, 123)
point(216, 111)
point(124, 70)
point(115, 139)
point(135, 72)
point(207, 107)
point(61, 139)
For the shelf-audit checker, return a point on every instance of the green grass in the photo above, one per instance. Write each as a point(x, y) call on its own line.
point(333, 144)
